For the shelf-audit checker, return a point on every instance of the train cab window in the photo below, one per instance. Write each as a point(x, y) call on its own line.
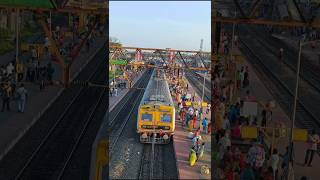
point(165, 118)
point(146, 117)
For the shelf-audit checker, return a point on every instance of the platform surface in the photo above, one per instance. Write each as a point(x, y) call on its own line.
point(182, 145)
point(261, 92)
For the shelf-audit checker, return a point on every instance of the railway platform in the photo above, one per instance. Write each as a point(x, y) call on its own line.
point(14, 125)
point(114, 100)
point(182, 146)
point(260, 93)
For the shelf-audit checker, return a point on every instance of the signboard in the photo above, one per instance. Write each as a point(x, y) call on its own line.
point(248, 132)
point(300, 135)
point(250, 108)
point(204, 104)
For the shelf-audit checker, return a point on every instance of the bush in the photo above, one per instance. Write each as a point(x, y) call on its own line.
point(5, 46)
point(5, 34)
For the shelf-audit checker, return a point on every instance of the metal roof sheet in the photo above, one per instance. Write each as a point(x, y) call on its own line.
point(29, 3)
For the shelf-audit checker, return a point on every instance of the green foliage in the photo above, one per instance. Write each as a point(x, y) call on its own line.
point(5, 46)
point(5, 34)
point(118, 72)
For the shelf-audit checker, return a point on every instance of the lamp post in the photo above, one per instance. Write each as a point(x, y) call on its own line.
point(232, 40)
point(301, 44)
point(17, 42)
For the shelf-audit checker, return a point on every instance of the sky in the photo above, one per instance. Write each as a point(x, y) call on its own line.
point(161, 24)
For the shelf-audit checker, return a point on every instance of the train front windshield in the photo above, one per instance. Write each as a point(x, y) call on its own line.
point(166, 118)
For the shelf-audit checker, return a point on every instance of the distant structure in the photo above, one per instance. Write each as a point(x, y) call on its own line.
point(201, 45)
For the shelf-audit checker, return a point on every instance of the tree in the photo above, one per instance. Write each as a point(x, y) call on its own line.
point(113, 41)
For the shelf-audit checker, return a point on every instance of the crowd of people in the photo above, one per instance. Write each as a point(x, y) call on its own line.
point(255, 162)
point(192, 116)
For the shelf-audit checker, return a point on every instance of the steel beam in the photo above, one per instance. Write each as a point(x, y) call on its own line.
point(236, 2)
point(256, 5)
point(299, 11)
point(314, 16)
point(156, 49)
point(291, 23)
point(102, 11)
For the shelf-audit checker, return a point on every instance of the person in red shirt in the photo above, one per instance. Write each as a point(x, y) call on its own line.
point(194, 121)
point(209, 128)
point(197, 132)
point(230, 175)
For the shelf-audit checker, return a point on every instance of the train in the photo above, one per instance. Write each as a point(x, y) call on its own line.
point(156, 112)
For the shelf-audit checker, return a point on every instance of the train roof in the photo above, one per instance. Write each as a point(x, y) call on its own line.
point(157, 91)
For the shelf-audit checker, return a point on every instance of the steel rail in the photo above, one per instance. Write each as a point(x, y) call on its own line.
point(44, 140)
point(87, 122)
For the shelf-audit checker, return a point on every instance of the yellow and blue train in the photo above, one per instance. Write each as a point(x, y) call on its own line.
point(156, 113)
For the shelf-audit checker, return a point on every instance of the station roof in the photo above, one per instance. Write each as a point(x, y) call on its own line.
point(47, 4)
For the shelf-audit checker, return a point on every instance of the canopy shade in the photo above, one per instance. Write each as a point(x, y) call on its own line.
point(49, 4)
point(118, 62)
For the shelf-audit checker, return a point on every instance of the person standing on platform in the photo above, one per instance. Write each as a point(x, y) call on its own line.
point(238, 76)
point(33, 54)
point(194, 121)
point(46, 45)
point(312, 147)
point(226, 123)
point(241, 77)
point(20, 71)
point(275, 162)
point(5, 97)
point(204, 125)
point(22, 92)
point(116, 91)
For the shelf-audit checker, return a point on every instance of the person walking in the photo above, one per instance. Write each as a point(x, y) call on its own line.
point(33, 54)
point(20, 71)
point(242, 77)
point(204, 125)
point(208, 108)
point(194, 121)
point(5, 97)
point(274, 163)
point(312, 147)
point(22, 92)
point(116, 91)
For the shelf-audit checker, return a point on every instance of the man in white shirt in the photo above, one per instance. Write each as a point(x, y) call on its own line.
point(22, 92)
point(10, 69)
point(312, 148)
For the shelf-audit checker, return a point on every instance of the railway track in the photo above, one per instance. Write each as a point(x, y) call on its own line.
point(197, 83)
point(161, 162)
point(123, 127)
point(120, 116)
point(47, 149)
point(283, 92)
point(309, 72)
point(128, 157)
point(311, 96)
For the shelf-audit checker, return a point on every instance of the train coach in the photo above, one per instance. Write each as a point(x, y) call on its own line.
point(156, 113)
